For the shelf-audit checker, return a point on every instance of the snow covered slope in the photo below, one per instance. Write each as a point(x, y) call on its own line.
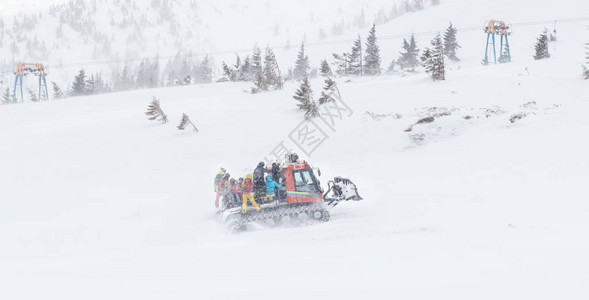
point(98, 202)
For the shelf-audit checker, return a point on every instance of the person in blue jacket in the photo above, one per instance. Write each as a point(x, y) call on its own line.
point(270, 186)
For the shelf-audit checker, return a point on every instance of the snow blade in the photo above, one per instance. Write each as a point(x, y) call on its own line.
point(340, 189)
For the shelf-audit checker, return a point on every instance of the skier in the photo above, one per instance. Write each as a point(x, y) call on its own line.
point(270, 185)
point(259, 180)
point(248, 187)
point(218, 178)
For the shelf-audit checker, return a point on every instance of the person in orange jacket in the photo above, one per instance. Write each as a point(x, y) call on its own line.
point(248, 194)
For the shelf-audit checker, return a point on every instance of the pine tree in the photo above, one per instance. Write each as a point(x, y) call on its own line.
point(433, 60)
point(426, 60)
point(391, 68)
point(90, 85)
point(450, 43)
point(246, 70)
point(341, 63)
point(271, 71)
point(304, 96)
point(227, 71)
point(372, 57)
point(184, 123)
point(237, 69)
point(435, 2)
point(79, 84)
point(504, 57)
point(32, 95)
point(57, 93)
point(330, 91)
point(409, 58)
point(257, 67)
point(155, 112)
point(542, 46)
point(355, 66)
point(586, 68)
point(154, 73)
point(325, 70)
point(6, 98)
point(302, 67)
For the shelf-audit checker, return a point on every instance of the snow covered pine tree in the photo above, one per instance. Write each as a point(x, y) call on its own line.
point(302, 67)
point(304, 95)
point(433, 60)
point(542, 46)
point(372, 57)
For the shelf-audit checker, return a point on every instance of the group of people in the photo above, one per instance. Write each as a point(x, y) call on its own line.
point(241, 191)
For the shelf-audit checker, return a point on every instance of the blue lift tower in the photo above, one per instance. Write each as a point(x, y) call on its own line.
point(23, 69)
point(499, 28)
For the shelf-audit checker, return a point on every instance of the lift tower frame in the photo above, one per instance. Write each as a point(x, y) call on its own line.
point(23, 69)
point(497, 27)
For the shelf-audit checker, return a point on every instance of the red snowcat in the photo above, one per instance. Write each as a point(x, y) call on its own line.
point(301, 194)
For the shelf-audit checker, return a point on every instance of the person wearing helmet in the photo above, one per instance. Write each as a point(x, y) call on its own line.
point(218, 179)
point(248, 195)
point(258, 179)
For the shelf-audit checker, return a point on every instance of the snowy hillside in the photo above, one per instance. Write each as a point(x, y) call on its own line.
point(487, 201)
point(104, 35)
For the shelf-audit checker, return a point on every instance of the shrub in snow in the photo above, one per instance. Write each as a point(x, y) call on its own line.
point(185, 122)
point(518, 116)
point(542, 46)
point(155, 112)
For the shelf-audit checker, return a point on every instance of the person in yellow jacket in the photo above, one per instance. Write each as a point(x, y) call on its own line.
point(248, 194)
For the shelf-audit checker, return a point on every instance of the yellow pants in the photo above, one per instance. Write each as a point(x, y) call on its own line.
point(250, 198)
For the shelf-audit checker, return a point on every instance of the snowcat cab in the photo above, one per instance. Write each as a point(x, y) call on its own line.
point(301, 193)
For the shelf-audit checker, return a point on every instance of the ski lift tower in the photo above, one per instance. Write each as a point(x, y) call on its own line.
point(23, 69)
point(496, 27)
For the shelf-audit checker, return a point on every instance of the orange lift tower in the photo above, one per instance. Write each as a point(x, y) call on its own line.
point(496, 27)
point(23, 69)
